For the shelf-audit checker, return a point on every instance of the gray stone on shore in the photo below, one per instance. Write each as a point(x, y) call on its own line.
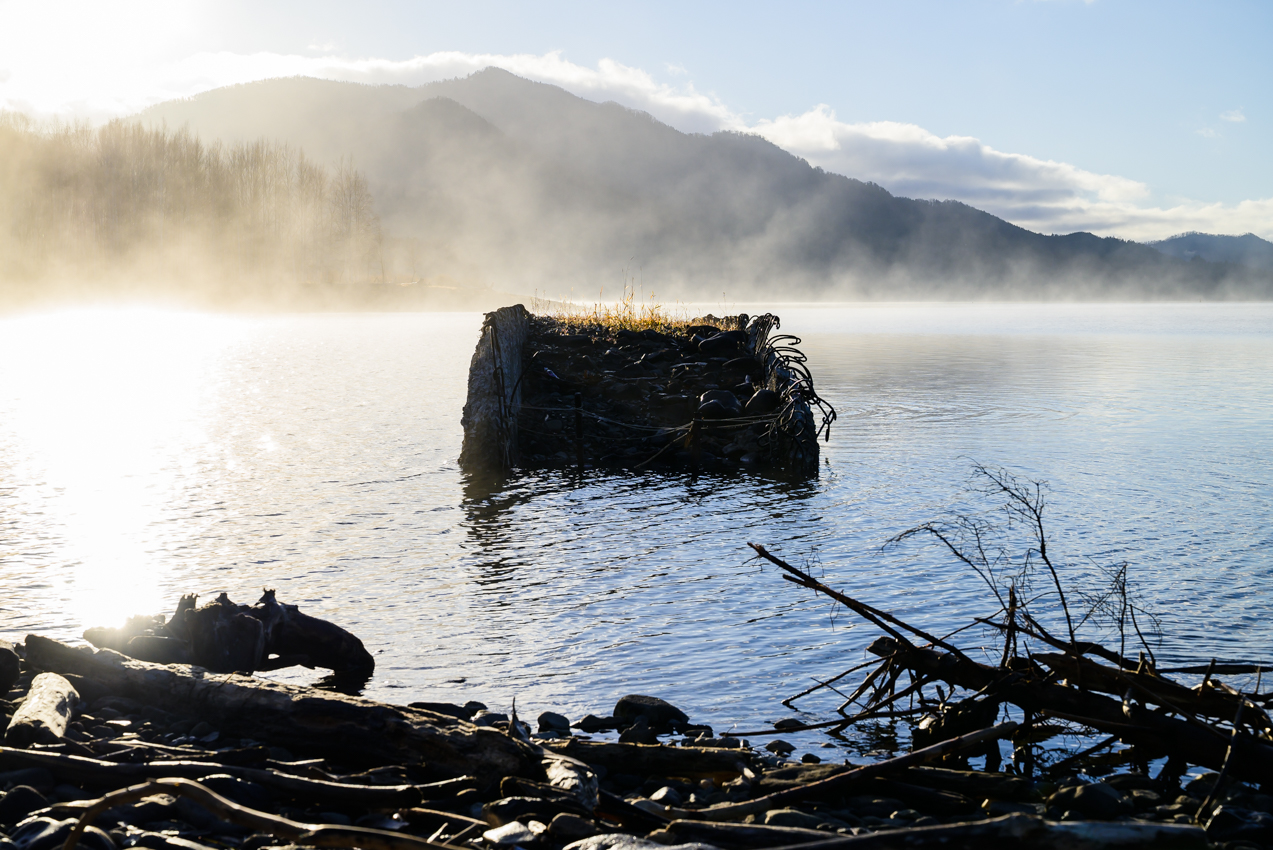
point(509, 835)
point(9, 667)
point(639, 733)
point(592, 723)
point(668, 796)
point(566, 828)
point(1097, 800)
point(658, 713)
point(551, 721)
point(488, 718)
point(619, 841)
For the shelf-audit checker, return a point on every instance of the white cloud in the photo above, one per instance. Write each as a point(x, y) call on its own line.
point(904, 158)
point(1234, 115)
point(1042, 195)
point(1207, 133)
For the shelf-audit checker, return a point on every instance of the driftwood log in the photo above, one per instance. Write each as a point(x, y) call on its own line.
point(96, 773)
point(44, 714)
point(1020, 832)
point(359, 731)
point(225, 637)
point(655, 759)
point(306, 834)
point(841, 781)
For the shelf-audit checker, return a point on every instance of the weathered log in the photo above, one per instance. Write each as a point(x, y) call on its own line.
point(226, 637)
point(106, 774)
point(970, 783)
point(1088, 675)
point(307, 834)
point(841, 781)
point(927, 800)
point(320, 643)
point(1026, 832)
point(44, 714)
point(571, 777)
point(356, 730)
point(614, 808)
point(735, 836)
point(655, 759)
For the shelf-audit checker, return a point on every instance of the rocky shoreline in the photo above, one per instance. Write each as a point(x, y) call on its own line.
point(228, 761)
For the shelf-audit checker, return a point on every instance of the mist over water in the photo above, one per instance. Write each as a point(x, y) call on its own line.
point(144, 454)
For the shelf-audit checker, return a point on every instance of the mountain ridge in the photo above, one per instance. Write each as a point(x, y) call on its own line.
point(508, 180)
point(1246, 250)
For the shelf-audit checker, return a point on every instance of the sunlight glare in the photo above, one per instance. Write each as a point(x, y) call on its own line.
point(105, 412)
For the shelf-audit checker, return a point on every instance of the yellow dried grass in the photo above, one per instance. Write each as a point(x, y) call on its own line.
point(631, 312)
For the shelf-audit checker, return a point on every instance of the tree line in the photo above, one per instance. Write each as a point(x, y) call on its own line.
point(127, 200)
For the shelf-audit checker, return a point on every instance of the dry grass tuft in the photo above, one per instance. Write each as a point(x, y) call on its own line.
point(632, 312)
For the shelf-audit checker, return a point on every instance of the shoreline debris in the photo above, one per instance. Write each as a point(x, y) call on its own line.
point(172, 756)
point(225, 637)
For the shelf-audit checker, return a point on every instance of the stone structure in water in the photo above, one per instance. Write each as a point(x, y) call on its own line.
point(713, 395)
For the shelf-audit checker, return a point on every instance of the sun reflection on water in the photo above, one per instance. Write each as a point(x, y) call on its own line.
point(104, 415)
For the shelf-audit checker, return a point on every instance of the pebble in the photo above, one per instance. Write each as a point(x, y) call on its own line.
point(668, 796)
point(592, 723)
point(619, 841)
point(509, 835)
point(488, 718)
point(1097, 800)
point(567, 827)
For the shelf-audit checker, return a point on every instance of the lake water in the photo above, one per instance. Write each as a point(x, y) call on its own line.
point(144, 454)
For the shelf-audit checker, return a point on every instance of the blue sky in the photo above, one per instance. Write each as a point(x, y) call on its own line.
point(1137, 119)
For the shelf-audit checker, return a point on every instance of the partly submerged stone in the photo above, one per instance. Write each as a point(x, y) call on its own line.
point(659, 714)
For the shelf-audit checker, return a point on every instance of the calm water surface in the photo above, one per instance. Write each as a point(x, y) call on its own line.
point(144, 454)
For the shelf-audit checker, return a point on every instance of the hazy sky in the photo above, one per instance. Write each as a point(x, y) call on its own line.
point(1136, 119)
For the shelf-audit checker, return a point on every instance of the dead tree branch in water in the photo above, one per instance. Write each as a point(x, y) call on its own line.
point(1069, 676)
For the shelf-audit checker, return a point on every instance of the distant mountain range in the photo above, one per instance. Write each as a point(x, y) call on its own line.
point(1248, 250)
point(522, 185)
